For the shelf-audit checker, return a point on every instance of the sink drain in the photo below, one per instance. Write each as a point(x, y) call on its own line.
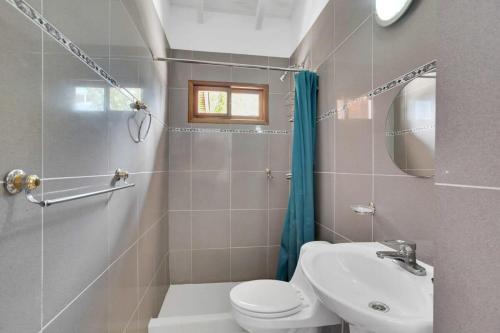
point(379, 306)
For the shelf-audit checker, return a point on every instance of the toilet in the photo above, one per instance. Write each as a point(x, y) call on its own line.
point(270, 306)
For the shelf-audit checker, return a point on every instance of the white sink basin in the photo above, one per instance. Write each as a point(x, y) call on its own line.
point(347, 278)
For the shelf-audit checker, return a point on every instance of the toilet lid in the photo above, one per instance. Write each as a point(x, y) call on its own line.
point(266, 296)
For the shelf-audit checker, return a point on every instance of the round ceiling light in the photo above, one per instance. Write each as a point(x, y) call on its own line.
point(389, 11)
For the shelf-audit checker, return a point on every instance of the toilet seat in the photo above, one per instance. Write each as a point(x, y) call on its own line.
point(266, 299)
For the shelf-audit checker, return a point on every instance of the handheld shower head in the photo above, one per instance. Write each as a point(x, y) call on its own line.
point(283, 76)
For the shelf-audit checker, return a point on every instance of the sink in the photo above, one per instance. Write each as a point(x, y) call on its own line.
point(373, 295)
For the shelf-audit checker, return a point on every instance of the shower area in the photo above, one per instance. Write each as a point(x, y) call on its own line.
point(228, 192)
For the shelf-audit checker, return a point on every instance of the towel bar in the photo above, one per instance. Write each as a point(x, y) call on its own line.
point(17, 180)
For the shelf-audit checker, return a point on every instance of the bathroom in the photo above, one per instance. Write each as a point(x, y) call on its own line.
point(136, 198)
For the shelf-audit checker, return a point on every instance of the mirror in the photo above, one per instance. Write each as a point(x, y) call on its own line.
point(410, 127)
point(389, 11)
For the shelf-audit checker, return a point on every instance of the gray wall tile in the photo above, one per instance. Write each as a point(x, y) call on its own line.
point(352, 190)
point(248, 263)
point(249, 190)
point(210, 266)
point(468, 267)
point(349, 14)
point(211, 151)
point(88, 314)
point(211, 229)
point(75, 247)
point(249, 228)
point(210, 190)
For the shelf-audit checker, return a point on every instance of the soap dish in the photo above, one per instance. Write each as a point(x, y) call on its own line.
point(364, 209)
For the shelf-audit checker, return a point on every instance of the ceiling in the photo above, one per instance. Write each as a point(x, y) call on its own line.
point(273, 8)
point(256, 27)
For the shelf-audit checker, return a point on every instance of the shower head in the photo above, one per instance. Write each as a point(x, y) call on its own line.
point(283, 76)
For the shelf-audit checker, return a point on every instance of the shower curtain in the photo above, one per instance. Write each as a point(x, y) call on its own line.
point(298, 228)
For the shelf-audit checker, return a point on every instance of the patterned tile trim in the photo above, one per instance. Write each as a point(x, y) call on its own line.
point(410, 130)
point(403, 79)
point(36, 18)
point(225, 130)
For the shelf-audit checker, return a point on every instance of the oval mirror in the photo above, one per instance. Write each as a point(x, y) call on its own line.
point(410, 127)
point(389, 11)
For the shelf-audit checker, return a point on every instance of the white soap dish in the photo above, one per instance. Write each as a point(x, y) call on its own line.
point(363, 209)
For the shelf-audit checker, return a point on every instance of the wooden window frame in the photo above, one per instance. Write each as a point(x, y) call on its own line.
point(261, 89)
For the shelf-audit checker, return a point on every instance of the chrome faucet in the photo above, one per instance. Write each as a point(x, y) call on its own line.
point(405, 256)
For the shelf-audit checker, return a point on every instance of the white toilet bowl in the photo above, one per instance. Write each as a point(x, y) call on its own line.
point(269, 306)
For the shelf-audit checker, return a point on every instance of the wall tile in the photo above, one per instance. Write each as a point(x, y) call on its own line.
point(211, 151)
point(123, 151)
point(467, 117)
point(123, 290)
point(278, 190)
point(276, 222)
point(93, 15)
point(180, 267)
point(322, 35)
point(248, 263)
point(80, 134)
point(210, 190)
point(323, 198)
point(21, 91)
point(211, 73)
point(349, 14)
point(178, 108)
point(420, 20)
point(249, 228)
point(89, 313)
point(249, 190)
point(123, 220)
point(279, 113)
point(323, 233)
point(152, 197)
point(272, 261)
point(279, 152)
point(324, 146)
point(149, 257)
point(210, 266)
point(393, 221)
point(326, 89)
point(75, 247)
point(211, 229)
point(467, 261)
point(20, 252)
point(179, 230)
point(352, 190)
point(353, 139)
point(179, 151)
point(353, 65)
point(249, 152)
point(179, 191)
point(249, 75)
point(179, 73)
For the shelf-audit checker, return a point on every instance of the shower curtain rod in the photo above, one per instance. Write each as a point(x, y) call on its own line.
point(230, 64)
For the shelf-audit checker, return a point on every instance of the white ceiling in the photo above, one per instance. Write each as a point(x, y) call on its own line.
point(274, 8)
point(258, 27)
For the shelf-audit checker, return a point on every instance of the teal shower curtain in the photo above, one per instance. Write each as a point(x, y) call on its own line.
point(298, 228)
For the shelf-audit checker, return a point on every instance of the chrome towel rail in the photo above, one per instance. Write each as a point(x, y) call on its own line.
point(17, 181)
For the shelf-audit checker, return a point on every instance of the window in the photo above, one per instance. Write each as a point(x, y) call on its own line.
point(228, 103)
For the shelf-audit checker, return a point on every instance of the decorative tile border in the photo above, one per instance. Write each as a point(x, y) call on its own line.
point(225, 130)
point(403, 79)
point(36, 18)
point(410, 130)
